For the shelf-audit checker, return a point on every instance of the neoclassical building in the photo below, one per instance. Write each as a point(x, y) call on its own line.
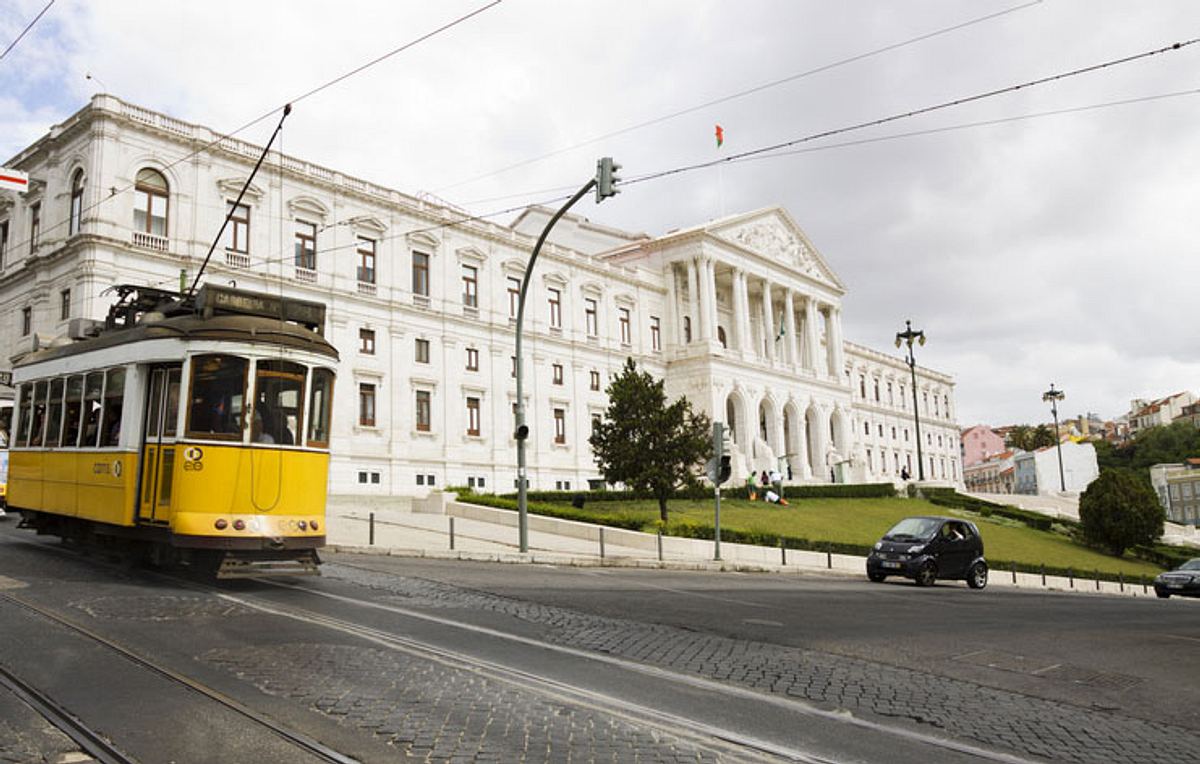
point(741, 315)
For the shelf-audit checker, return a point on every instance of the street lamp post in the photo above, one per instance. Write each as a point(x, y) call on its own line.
point(907, 336)
point(1054, 396)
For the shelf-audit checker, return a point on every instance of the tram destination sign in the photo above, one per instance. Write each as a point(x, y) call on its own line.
point(213, 298)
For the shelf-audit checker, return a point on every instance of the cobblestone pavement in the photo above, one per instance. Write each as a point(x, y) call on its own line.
point(433, 712)
point(994, 718)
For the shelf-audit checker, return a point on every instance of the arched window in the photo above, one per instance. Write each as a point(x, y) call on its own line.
point(150, 202)
point(76, 203)
point(721, 336)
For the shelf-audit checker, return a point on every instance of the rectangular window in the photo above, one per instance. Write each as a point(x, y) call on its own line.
point(424, 410)
point(623, 321)
point(3, 242)
point(470, 282)
point(472, 416)
point(655, 333)
point(366, 405)
point(420, 274)
point(513, 371)
point(557, 371)
point(237, 233)
point(366, 341)
point(366, 260)
point(687, 328)
point(64, 305)
point(594, 376)
point(555, 301)
point(26, 321)
point(514, 296)
point(306, 245)
point(472, 359)
point(421, 351)
point(595, 423)
point(590, 317)
point(35, 224)
point(420, 479)
point(560, 425)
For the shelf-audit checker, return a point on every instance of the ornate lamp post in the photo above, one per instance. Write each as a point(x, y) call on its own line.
point(1054, 396)
point(907, 336)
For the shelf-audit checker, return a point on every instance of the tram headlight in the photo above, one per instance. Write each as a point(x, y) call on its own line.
point(239, 525)
point(221, 524)
point(313, 524)
point(303, 525)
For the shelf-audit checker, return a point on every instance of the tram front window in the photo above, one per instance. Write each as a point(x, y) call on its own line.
point(217, 395)
point(93, 403)
point(114, 399)
point(56, 411)
point(278, 402)
point(26, 407)
point(39, 414)
point(319, 408)
point(74, 414)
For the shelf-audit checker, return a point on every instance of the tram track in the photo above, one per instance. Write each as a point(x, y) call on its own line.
point(82, 734)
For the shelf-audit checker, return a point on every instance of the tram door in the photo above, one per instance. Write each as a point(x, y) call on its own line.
point(159, 444)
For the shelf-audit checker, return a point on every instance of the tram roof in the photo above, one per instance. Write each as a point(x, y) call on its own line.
point(228, 328)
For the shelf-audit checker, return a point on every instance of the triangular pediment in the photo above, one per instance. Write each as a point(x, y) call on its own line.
point(773, 235)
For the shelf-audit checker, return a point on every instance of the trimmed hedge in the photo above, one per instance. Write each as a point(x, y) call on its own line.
point(948, 497)
point(562, 512)
point(763, 538)
point(701, 492)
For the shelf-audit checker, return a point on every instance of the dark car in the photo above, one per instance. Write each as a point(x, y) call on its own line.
point(928, 548)
point(1184, 580)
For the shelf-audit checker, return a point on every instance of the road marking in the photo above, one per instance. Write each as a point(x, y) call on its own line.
point(7, 583)
point(760, 622)
point(708, 685)
point(1180, 636)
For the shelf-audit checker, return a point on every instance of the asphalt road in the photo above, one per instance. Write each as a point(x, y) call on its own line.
point(384, 657)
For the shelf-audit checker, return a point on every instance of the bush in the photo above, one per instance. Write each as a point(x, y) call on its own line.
point(1117, 512)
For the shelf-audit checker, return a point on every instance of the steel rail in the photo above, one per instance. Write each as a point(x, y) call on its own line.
point(299, 739)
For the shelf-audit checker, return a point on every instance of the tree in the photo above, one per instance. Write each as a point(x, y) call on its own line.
point(1043, 437)
point(1117, 512)
point(1020, 436)
point(643, 442)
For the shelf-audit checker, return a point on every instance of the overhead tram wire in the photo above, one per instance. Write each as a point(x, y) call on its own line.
point(746, 92)
point(225, 136)
point(774, 148)
point(25, 31)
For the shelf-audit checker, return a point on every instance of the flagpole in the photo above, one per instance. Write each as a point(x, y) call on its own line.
point(720, 133)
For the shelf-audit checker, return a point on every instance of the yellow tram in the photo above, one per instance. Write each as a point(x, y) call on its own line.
point(196, 429)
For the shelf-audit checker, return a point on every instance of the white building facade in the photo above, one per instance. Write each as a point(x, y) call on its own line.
point(1036, 472)
point(742, 315)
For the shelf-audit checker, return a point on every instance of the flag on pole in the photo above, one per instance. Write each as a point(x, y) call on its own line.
point(720, 136)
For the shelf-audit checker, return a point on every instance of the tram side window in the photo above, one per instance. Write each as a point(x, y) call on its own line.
point(217, 395)
point(74, 411)
point(6, 414)
point(278, 402)
point(114, 404)
point(54, 423)
point(319, 408)
point(93, 392)
point(39, 414)
point(26, 414)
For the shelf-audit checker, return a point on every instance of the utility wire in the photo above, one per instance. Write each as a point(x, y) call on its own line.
point(913, 113)
point(357, 70)
point(746, 92)
point(25, 31)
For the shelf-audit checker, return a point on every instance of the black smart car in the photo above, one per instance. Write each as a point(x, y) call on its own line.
point(1184, 580)
point(928, 548)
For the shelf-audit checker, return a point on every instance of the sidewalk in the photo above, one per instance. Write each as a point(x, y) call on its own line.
point(442, 528)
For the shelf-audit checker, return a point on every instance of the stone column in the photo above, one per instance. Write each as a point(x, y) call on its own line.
point(811, 335)
point(672, 333)
point(821, 445)
point(768, 323)
point(789, 326)
point(708, 301)
point(801, 469)
point(830, 361)
point(693, 311)
point(740, 311)
point(839, 352)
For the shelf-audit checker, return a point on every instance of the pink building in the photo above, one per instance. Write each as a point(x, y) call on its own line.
point(978, 443)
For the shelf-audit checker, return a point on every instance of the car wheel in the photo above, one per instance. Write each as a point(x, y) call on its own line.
point(876, 576)
point(927, 574)
point(1162, 595)
point(977, 576)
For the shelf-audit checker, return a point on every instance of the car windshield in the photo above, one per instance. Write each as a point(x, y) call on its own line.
point(913, 528)
point(1191, 565)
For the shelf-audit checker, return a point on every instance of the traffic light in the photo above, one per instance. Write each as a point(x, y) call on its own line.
point(726, 470)
point(606, 178)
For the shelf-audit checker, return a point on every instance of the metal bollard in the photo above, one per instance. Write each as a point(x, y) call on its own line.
point(1012, 566)
point(828, 558)
point(371, 530)
point(451, 534)
point(660, 556)
point(782, 553)
point(1097, 574)
point(1144, 589)
point(601, 542)
point(1121, 580)
point(1071, 576)
point(1043, 574)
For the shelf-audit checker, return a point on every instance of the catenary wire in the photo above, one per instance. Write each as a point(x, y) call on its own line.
point(914, 112)
point(25, 31)
point(742, 93)
point(340, 78)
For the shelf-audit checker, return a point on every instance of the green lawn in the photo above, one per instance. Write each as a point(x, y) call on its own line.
point(863, 521)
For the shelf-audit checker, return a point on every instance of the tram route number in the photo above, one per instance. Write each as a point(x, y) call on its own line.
point(193, 459)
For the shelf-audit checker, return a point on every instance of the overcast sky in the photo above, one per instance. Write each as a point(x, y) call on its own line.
point(1057, 249)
